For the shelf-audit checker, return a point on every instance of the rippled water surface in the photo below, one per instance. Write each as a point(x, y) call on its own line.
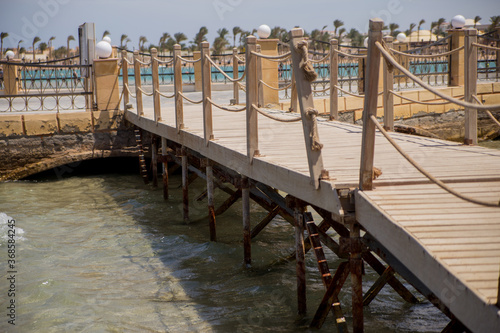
point(106, 253)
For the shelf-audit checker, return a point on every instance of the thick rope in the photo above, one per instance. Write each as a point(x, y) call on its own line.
point(305, 63)
point(348, 93)
point(314, 135)
point(145, 93)
point(143, 63)
point(224, 73)
point(188, 61)
point(427, 56)
point(326, 57)
point(225, 108)
point(240, 59)
point(241, 86)
point(419, 102)
point(487, 111)
point(359, 56)
point(322, 90)
point(264, 113)
point(274, 88)
point(190, 100)
point(280, 57)
point(486, 47)
point(131, 63)
point(427, 174)
point(129, 92)
point(424, 85)
point(165, 62)
point(163, 95)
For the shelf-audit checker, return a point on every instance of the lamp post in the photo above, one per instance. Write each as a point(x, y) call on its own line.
point(263, 31)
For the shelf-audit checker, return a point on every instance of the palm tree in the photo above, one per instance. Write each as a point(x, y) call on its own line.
point(70, 38)
point(200, 37)
point(220, 41)
point(337, 24)
point(35, 40)
point(392, 28)
point(2, 36)
point(433, 25)
point(42, 47)
point(439, 23)
point(142, 40)
point(341, 32)
point(50, 46)
point(422, 21)
point(236, 31)
point(179, 38)
point(412, 26)
point(124, 38)
point(476, 20)
point(105, 33)
point(163, 39)
point(495, 20)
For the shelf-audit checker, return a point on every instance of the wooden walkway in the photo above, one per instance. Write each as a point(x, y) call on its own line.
point(451, 246)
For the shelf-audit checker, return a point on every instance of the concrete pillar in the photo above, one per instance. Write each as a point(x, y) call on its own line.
point(269, 71)
point(457, 59)
point(106, 84)
point(197, 72)
point(10, 77)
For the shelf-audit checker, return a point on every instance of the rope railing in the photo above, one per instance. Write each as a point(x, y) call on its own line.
point(425, 172)
point(325, 58)
point(240, 59)
point(280, 57)
point(274, 88)
point(189, 99)
point(241, 86)
point(163, 95)
point(144, 63)
point(165, 62)
point(266, 114)
point(128, 61)
point(439, 42)
point(348, 93)
point(144, 92)
point(226, 108)
point(486, 47)
point(188, 60)
point(427, 56)
point(487, 111)
point(224, 73)
point(424, 85)
point(419, 102)
point(129, 92)
point(359, 56)
point(321, 90)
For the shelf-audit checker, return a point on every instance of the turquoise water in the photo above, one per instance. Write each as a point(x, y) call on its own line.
point(106, 253)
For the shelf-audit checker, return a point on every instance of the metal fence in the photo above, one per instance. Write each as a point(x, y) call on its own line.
point(488, 68)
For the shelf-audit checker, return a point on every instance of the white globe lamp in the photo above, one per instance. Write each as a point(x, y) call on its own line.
point(9, 55)
point(458, 22)
point(264, 31)
point(401, 37)
point(107, 39)
point(103, 49)
point(365, 42)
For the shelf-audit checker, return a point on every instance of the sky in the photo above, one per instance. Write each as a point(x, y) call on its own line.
point(25, 19)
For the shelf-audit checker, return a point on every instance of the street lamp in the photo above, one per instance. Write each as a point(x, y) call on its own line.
point(458, 22)
point(103, 49)
point(9, 55)
point(401, 37)
point(264, 31)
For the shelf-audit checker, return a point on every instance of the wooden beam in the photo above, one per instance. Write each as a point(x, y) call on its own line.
point(470, 85)
point(378, 285)
point(388, 97)
point(165, 167)
point(210, 197)
point(206, 79)
point(247, 239)
point(137, 77)
point(179, 106)
point(370, 107)
point(265, 221)
point(185, 186)
point(334, 80)
point(300, 266)
point(252, 98)
point(356, 265)
point(228, 203)
point(156, 85)
point(125, 78)
point(154, 160)
point(236, 66)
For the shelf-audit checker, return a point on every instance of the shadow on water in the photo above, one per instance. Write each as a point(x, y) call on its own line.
point(212, 291)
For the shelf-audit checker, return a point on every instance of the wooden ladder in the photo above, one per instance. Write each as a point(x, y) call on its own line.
point(142, 160)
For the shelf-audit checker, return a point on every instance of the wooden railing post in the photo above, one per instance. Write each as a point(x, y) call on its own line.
point(137, 76)
point(236, 89)
point(307, 110)
point(470, 86)
point(260, 91)
point(334, 80)
point(206, 79)
point(156, 84)
point(370, 107)
point(388, 97)
point(179, 107)
point(125, 79)
point(251, 98)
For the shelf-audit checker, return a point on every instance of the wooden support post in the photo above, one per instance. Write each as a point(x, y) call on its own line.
point(179, 106)
point(165, 167)
point(137, 77)
point(185, 186)
point(206, 79)
point(300, 266)
point(498, 297)
point(308, 112)
point(370, 107)
point(334, 80)
point(154, 160)
point(356, 266)
point(156, 85)
point(247, 238)
point(260, 90)
point(210, 197)
point(236, 89)
point(388, 85)
point(294, 101)
point(470, 86)
point(125, 79)
point(252, 98)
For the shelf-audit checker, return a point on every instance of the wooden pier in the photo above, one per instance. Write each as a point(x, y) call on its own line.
point(441, 236)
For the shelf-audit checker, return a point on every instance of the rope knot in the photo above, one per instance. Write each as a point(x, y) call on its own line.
point(314, 135)
point(306, 65)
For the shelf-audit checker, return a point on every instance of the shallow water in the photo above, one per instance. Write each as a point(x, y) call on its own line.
point(106, 253)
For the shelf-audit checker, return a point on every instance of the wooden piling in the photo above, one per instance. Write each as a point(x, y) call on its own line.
point(137, 77)
point(300, 266)
point(356, 266)
point(210, 198)
point(247, 236)
point(388, 85)
point(165, 167)
point(334, 80)
point(154, 160)
point(185, 185)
